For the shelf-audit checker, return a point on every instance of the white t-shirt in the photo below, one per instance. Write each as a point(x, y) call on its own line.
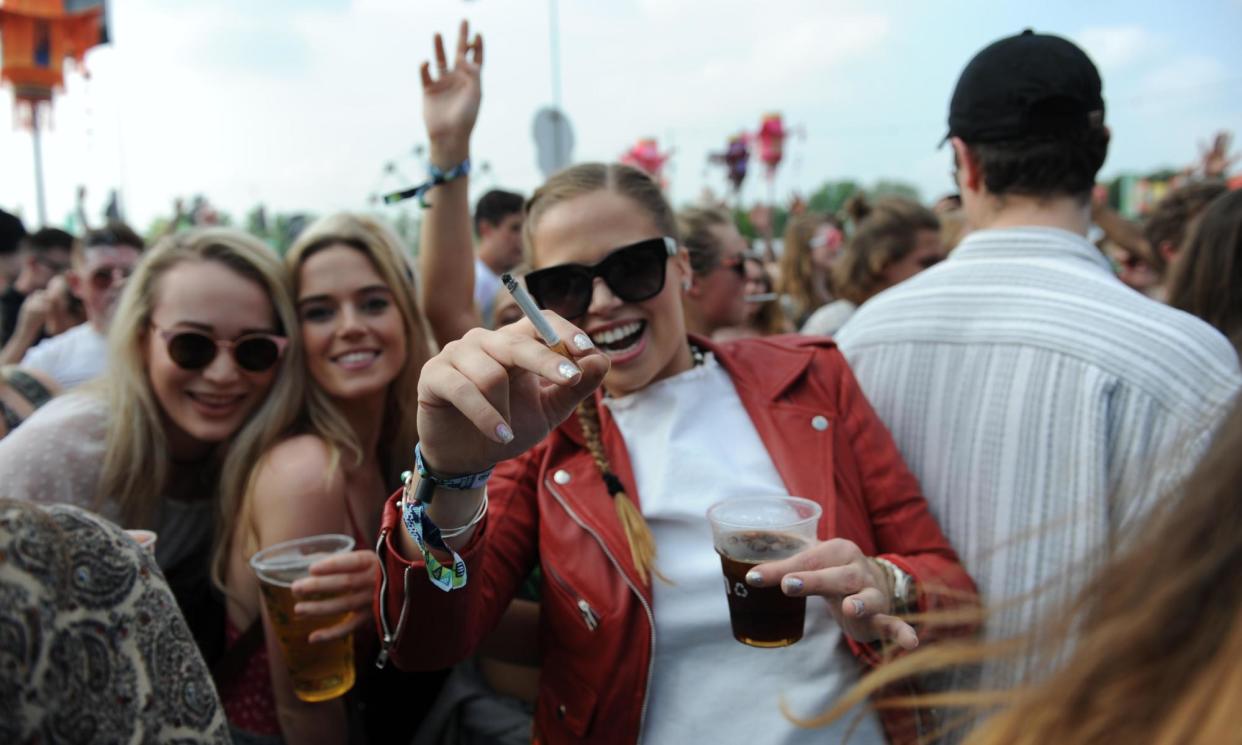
point(828, 319)
point(486, 285)
point(691, 444)
point(72, 358)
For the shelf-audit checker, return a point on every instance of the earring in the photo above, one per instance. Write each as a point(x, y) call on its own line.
point(685, 284)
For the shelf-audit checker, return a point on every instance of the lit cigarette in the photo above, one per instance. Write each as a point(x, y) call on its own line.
point(766, 297)
point(531, 311)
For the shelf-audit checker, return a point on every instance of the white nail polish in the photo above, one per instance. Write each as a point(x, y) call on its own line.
point(583, 342)
point(568, 370)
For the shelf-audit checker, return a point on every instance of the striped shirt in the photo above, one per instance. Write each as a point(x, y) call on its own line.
point(1042, 404)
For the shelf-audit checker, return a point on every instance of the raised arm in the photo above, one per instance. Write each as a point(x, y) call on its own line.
point(446, 255)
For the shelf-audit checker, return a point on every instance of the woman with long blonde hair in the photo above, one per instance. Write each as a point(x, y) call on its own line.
point(201, 373)
point(1150, 647)
point(365, 340)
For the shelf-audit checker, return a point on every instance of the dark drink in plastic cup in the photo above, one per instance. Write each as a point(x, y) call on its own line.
point(751, 531)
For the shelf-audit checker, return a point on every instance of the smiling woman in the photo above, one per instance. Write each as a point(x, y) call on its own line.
point(365, 340)
point(193, 390)
point(606, 491)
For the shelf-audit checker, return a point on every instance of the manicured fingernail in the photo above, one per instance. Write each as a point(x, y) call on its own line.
point(583, 342)
point(859, 607)
point(568, 370)
point(299, 608)
point(754, 578)
point(792, 585)
point(503, 433)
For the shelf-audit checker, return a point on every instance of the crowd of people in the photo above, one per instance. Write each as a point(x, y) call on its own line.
point(1015, 408)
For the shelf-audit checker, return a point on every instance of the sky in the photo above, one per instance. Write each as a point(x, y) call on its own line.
point(300, 104)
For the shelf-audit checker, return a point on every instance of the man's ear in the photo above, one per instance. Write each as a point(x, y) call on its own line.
point(971, 175)
point(485, 229)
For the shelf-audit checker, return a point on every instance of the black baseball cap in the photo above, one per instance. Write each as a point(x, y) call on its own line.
point(1029, 85)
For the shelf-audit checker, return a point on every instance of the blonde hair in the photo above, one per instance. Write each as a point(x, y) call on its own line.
point(1153, 638)
point(695, 225)
point(586, 178)
point(630, 182)
point(388, 255)
point(882, 234)
point(798, 273)
point(137, 462)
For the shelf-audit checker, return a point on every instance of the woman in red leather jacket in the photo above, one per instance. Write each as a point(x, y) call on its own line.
point(606, 489)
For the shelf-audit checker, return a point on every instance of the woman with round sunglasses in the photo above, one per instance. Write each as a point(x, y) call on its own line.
point(201, 375)
point(606, 491)
point(365, 340)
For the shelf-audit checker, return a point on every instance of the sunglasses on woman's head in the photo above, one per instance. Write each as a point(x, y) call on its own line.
point(633, 273)
point(194, 350)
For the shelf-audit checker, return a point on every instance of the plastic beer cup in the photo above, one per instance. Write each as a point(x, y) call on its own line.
point(319, 671)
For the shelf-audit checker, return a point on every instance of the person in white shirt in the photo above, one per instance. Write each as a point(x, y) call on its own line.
point(1041, 403)
point(498, 223)
point(101, 263)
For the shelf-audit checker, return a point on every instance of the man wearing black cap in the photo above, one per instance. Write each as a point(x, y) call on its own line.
point(1042, 404)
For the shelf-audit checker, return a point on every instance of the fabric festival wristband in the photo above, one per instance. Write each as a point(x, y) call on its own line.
point(435, 178)
point(468, 481)
point(424, 532)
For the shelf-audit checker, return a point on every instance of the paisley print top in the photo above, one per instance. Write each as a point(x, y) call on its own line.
point(92, 646)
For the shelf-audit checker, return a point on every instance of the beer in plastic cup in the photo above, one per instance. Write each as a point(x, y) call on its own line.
point(319, 671)
point(753, 530)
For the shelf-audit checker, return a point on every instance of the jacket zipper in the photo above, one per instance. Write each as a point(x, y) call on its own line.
point(390, 635)
point(589, 616)
point(642, 719)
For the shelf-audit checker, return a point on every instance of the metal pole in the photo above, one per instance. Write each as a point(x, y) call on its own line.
point(555, 51)
point(38, 162)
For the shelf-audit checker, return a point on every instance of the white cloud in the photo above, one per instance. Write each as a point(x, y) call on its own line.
point(1114, 48)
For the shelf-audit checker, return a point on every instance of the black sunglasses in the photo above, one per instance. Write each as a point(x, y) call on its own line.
point(192, 350)
point(633, 273)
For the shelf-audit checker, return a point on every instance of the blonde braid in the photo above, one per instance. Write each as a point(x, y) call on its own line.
point(637, 532)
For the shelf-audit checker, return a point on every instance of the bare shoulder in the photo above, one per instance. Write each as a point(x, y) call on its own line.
point(299, 473)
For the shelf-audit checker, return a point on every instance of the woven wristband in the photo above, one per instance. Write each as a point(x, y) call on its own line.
point(427, 535)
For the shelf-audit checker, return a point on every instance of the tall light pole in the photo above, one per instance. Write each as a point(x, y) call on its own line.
point(554, 47)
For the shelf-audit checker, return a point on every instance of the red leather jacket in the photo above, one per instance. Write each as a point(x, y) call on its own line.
point(550, 507)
